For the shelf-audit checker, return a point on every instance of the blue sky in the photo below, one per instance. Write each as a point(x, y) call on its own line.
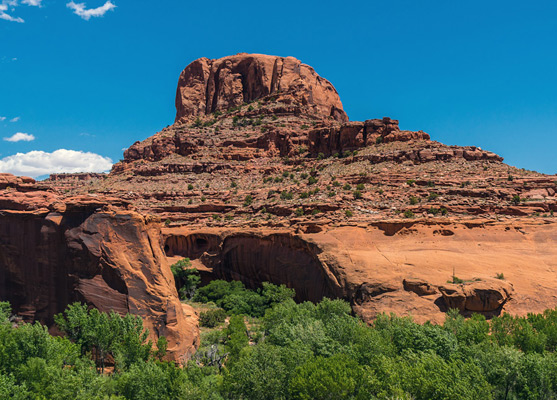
point(97, 76)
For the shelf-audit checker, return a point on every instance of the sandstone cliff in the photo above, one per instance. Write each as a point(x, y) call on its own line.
point(57, 251)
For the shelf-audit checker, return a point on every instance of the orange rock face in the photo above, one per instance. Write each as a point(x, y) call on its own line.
point(83, 249)
point(389, 266)
point(206, 86)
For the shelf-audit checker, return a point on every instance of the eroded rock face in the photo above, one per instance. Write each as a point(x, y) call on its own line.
point(84, 249)
point(9, 180)
point(257, 257)
point(355, 135)
point(206, 86)
point(390, 267)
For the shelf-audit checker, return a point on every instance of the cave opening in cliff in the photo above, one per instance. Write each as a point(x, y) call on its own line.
point(254, 259)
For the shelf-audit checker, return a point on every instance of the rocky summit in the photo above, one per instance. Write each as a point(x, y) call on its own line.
point(262, 177)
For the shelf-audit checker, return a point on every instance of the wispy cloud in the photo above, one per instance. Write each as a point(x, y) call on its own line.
point(4, 15)
point(5, 59)
point(38, 163)
point(15, 119)
point(35, 3)
point(86, 14)
point(20, 137)
point(2, 118)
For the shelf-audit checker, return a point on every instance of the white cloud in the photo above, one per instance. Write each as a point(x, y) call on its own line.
point(86, 14)
point(38, 163)
point(20, 137)
point(2, 118)
point(6, 16)
point(15, 119)
point(6, 4)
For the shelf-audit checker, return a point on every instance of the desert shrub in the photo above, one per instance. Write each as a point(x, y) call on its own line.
point(212, 318)
point(284, 195)
point(248, 200)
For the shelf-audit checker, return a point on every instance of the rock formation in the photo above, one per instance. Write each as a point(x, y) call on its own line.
point(56, 251)
point(263, 178)
point(207, 86)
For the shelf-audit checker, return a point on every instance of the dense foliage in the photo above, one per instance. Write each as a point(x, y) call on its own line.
point(282, 350)
point(234, 298)
point(187, 278)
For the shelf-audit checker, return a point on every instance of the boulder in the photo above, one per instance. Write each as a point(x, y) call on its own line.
point(419, 286)
point(477, 296)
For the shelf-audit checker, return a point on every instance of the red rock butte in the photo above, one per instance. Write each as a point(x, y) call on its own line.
point(206, 86)
point(263, 178)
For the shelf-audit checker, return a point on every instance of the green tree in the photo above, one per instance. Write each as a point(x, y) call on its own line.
point(259, 374)
point(236, 336)
point(427, 376)
point(187, 279)
point(467, 331)
point(104, 334)
point(336, 377)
